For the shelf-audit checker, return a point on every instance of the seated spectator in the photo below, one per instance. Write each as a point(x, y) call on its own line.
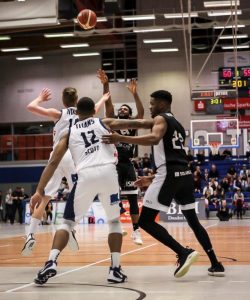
point(213, 184)
point(214, 200)
point(220, 191)
point(237, 183)
point(225, 184)
point(63, 190)
point(223, 211)
point(238, 202)
point(146, 161)
point(200, 157)
point(226, 154)
point(207, 189)
point(244, 183)
point(244, 171)
point(231, 174)
point(213, 172)
point(248, 149)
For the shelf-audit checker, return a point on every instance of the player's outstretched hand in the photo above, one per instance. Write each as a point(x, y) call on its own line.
point(132, 87)
point(106, 96)
point(102, 76)
point(112, 138)
point(45, 95)
point(143, 181)
point(35, 200)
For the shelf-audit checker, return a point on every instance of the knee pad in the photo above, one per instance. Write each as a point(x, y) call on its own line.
point(133, 202)
point(115, 226)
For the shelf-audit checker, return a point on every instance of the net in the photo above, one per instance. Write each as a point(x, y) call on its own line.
point(214, 146)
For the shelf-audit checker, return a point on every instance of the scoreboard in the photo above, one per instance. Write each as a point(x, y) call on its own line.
point(227, 79)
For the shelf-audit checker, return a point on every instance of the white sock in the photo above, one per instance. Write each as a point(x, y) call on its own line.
point(115, 259)
point(33, 225)
point(54, 253)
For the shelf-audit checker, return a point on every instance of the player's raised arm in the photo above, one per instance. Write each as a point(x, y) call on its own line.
point(158, 130)
point(103, 100)
point(132, 87)
point(36, 108)
point(110, 113)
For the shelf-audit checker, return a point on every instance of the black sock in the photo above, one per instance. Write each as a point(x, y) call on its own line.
point(212, 256)
point(135, 226)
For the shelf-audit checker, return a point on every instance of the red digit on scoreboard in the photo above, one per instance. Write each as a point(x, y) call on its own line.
point(246, 72)
point(227, 73)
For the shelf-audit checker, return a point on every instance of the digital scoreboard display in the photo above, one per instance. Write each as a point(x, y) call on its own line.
point(227, 79)
point(214, 106)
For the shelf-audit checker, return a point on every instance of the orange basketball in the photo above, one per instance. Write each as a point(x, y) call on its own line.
point(86, 19)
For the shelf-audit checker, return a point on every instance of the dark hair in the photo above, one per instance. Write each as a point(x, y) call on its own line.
point(69, 96)
point(129, 108)
point(85, 105)
point(162, 95)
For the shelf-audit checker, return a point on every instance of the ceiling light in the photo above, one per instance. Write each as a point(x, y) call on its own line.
point(74, 45)
point(238, 36)
point(233, 47)
point(55, 35)
point(152, 41)
point(229, 26)
point(165, 50)
point(216, 13)
point(138, 30)
point(138, 17)
point(29, 58)
point(101, 19)
point(180, 15)
point(86, 54)
point(107, 64)
point(14, 49)
point(220, 3)
point(5, 37)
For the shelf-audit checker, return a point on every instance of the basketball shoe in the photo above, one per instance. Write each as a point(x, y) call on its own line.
point(72, 243)
point(185, 261)
point(136, 237)
point(29, 245)
point(116, 275)
point(47, 272)
point(217, 270)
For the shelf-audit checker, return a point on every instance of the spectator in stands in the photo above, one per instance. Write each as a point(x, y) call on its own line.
point(225, 184)
point(248, 150)
point(25, 196)
point(220, 191)
point(63, 190)
point(214, 200)
point(206, 175)
point(1, 207)
point(231, 174)
point(244, 171)
point(223, 211)
point(226, 154)
point(237, 183)
point(197, 179)
point(244, 183)
point(207, 189)
point(17, 197)
point(238, 203)
point(48, 210)
point(146, 161)
point(137, 165)
point(9, 207)
point(213, 184)
point(207, 196)
point(213, 172)
point(200, 157)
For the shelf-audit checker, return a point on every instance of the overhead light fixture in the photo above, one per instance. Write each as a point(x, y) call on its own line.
point(56, 35)
point(107, 64)
point(154, 41)
point(229, 26)
point(15, 49)
point(101, 19)
point(74, 45)
point(180, 15)
point(221, 3)
point(233, 47)
point(29, 58)
point(165, 50)
point(238, 36)
point(138, 30)
point(5, 38)
point(138, 17)
point(86, 54)
point(217, 13)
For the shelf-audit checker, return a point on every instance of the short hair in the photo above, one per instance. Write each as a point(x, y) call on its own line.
point(162, 95)
point(69, 96)
point(129, 108)
point(85, 105)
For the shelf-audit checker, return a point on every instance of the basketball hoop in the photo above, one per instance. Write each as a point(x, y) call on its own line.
point(214, 146)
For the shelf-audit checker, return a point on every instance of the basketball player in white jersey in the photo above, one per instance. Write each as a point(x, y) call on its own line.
point(96, 169)
point(63, 119)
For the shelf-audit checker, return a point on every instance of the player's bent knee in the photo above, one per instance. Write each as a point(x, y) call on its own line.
point(115, 226)
point(66, 226)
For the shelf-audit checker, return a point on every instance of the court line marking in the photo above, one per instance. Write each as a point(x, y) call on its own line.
point(81, 268)
point(4, 246)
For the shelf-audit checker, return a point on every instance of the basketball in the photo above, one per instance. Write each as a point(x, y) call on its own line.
point(86, 19)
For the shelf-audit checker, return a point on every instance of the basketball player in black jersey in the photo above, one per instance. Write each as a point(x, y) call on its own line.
point(125, 168)
point(173, 180)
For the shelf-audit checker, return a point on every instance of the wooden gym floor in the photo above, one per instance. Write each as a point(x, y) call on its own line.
point(149, 267)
